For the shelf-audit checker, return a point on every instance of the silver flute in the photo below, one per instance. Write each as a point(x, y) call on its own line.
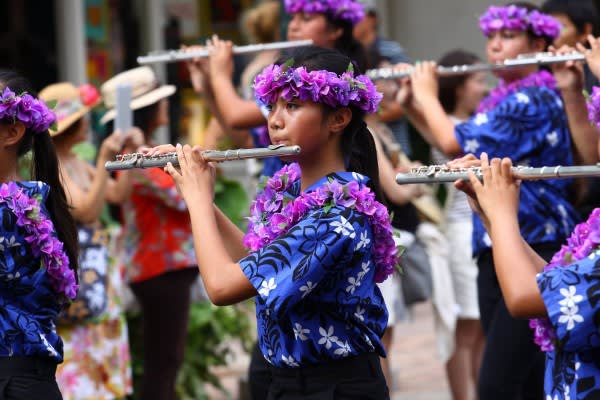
point(139, 160)
point(166, 56)
point(520, 61)
point(441, 173)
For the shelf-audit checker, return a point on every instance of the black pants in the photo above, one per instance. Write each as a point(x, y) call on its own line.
point(353, 378)
point(512, 365)
point(259, 374)
point(24, 378)
point(165, 303)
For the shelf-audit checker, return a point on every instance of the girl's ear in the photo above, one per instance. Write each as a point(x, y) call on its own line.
point(13, 133)
point(339, 119)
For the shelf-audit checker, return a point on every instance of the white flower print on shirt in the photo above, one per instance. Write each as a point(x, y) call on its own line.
point(570, 316)
point(344, 227)
point(364, 241)
point(343, 350)
point(267, 286)
point(354, 283)
point(290, 361)
point(327, 337)
point(307, 288)
point(12, 242)
point(365, 269)
point(299, 332)
point(571, 299)
point(360, 313)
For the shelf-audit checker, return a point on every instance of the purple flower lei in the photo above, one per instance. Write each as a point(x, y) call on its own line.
point(584, 239)
point(43, 243)
point(25, 108)
point(319, 86)
point(273, 213)
point(345, 10)
point(593, 106)
point(518, 19)
point(498, 94)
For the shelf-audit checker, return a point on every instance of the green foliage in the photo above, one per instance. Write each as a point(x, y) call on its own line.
point(231, 198)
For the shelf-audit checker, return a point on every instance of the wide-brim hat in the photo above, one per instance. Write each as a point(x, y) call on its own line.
point(145, 90)
point(72, 103)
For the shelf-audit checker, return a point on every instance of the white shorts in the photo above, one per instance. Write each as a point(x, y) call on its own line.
point(463, 268)
point(391, 289)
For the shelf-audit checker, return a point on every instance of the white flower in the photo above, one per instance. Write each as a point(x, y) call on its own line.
point(365, 269)
point(12, 242)
point(354, 283)
point(51, 351)
point(567, 392)
point(522, 98)
point(266, 287)
point(307, 288)
point(364, 241)
point(487, 239)
point(552, 138)
point(471, 146)
point(343, 350)
point(549, 228)
point(480, 119)
point(548, 397)
point(570, 316)
point(15, 276)
point(327, 337)
point(289, 361)
point(299, 332)
point(571, 299)
point(360, 313)
point(358, 176)
point(344, 227)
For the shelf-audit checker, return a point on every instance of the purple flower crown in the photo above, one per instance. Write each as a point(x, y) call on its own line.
point(582, 242)
point(519, 19)
point(593, 106)
point(319, 86)
point(345, 10)
point(32, 112)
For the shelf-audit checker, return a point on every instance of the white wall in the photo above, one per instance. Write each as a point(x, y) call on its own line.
point(429, 28)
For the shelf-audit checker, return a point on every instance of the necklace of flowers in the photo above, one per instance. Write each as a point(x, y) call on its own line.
point(593, 106)
point(39, 234)
point(583, 241)
point(274, 212)
point(498, 94)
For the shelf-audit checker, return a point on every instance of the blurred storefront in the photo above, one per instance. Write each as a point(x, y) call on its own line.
point(91, 40)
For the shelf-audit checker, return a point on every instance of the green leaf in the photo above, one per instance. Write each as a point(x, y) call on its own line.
point(51, 104)
point(350, 68)
point(288, 64)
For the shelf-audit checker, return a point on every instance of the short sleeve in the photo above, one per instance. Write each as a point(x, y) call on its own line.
point(517, 127)
point(572, 296)
point(290, 267)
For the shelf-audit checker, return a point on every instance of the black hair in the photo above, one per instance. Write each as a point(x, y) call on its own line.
point(347, 44)
point(45, 169)
point(449, 84)
point(357, 144)
point(530, 34)
point(580, 12)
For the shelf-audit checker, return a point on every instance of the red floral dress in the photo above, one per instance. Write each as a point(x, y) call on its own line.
point(158, 233)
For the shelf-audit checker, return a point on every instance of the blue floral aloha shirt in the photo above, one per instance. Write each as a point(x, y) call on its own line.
point(317, 299)
point(572, 298)
point(28, 302)
point(530, 127)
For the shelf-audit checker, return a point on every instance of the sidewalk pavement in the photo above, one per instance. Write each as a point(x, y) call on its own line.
point(418, 373)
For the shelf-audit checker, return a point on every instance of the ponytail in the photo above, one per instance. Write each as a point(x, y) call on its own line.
point(45, 169)
point(358, 148)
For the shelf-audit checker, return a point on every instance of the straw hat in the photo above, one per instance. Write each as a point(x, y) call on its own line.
point(145, 90)
point(72, 102)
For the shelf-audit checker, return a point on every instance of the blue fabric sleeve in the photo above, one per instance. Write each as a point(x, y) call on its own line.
point(572, 297)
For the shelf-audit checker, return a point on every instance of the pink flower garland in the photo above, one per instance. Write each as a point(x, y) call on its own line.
point(39, 229)
point(274, 212)
point(584, 239)
point(497, 95)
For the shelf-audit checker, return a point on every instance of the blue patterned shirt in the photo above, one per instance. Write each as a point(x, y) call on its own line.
point(317, 299)
point(572, 298)
point(28, 302)
point(530, 127)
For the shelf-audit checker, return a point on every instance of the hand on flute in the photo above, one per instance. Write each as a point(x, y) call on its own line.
point(220, 58)
point(195, 177)
point(199, 70)
point(568, 75)
point(592, 55)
